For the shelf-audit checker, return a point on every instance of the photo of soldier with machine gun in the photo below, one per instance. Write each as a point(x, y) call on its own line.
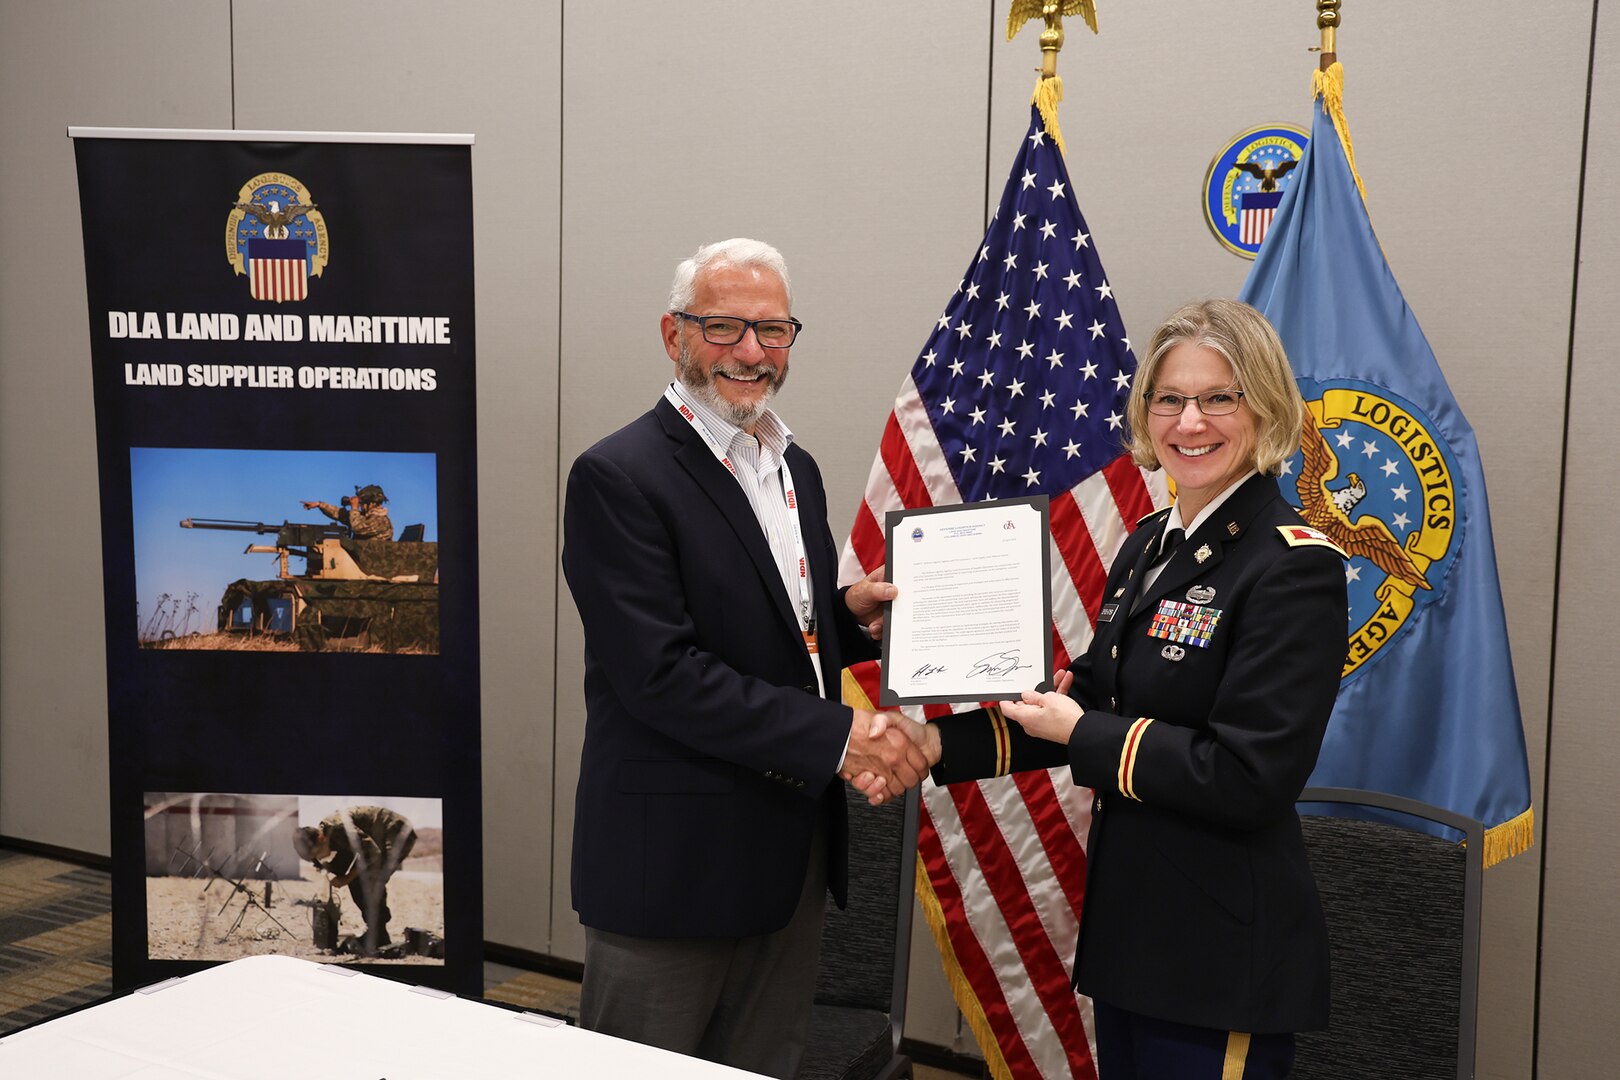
point(352, 583)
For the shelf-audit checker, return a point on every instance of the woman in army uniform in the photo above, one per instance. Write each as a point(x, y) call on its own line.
point(1196, 715)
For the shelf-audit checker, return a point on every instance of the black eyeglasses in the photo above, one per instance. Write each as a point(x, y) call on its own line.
point(1214, 403)
point(728, 329)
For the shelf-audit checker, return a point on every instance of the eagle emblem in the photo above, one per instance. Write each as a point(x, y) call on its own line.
point(1267, 173)
point(1329, 510)
point(273, 216)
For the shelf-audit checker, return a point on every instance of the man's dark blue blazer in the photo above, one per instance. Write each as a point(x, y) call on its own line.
point(709, 754)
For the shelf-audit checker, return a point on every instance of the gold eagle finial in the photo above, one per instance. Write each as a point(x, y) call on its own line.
point(1023, 11)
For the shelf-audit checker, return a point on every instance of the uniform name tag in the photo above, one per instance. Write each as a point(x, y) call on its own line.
point(1107, 613)
point(1187, 624)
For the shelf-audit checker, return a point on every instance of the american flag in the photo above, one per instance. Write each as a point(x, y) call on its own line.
point(1020, 390)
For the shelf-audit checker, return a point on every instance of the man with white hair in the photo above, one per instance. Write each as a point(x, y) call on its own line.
point(709, 819)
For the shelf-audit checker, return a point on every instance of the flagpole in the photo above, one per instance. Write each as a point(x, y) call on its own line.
point(1051, 40)
point(1327, 21)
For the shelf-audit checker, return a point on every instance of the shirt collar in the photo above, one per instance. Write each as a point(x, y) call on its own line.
point(771, 431)
point(1174, 520)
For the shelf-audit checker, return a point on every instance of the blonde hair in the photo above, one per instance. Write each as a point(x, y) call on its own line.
point(1250, 345)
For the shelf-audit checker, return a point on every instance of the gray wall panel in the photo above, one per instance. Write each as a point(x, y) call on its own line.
point(100, 65)
point(1580, 972)
point(493, 71)
point(1483, 254)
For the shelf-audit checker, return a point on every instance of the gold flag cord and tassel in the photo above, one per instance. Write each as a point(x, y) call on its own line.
point(1329, 86)
point(1048, 92)
point(1327, 82)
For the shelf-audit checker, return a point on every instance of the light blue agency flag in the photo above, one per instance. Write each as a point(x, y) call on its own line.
point(1390, 470)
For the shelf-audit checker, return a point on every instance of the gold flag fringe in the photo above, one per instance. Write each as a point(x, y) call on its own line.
point(1329, 86)
point(1512, 837)
point(1048, 92)
point(966, 1000)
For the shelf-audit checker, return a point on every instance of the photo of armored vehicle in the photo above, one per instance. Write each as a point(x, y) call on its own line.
point(372, 595)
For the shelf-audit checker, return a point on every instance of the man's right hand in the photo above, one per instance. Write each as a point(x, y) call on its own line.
point(923, 737)
point(882, 752)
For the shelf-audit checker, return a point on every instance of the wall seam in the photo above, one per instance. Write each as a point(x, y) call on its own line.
point(231, 30)
point(1558, 556)
point(989, 112)
point(557, 533)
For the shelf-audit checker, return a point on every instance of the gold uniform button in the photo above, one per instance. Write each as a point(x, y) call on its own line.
point(1098, 808)
point(1113, 703)
point(1113, 652)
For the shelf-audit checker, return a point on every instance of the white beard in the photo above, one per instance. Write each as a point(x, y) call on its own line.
point(744, 416)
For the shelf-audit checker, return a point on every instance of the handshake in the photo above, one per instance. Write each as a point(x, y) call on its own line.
point(888, 754)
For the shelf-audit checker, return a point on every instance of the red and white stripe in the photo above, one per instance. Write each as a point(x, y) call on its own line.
point(1005, 858)
point(1252, 224)
point(278, 279)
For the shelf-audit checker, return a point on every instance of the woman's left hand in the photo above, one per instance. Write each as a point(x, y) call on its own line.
point(1050, 716)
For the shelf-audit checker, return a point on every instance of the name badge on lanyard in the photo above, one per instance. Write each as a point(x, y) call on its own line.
point(807, 618)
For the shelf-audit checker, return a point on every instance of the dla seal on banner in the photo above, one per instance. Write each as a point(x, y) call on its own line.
point(276, 237)
point(1246, 182)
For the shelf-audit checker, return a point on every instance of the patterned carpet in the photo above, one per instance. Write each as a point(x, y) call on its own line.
point(55, 938)
point(532, 991)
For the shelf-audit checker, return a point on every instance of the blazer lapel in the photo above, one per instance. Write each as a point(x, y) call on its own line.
point(693, 455)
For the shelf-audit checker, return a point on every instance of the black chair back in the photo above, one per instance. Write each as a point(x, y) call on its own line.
point(1403, 925)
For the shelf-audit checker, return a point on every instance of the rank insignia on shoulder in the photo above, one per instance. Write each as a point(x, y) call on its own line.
point(1145, 518)
point(1305, 536)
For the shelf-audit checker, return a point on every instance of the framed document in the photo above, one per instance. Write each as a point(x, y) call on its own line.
point(973, 621)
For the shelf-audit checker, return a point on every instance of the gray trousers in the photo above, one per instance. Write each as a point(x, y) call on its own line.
point(743, 1002)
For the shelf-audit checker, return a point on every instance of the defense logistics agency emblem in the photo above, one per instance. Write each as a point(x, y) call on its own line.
point(276, 237)
point(1246, 182)
point(1376, 477)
